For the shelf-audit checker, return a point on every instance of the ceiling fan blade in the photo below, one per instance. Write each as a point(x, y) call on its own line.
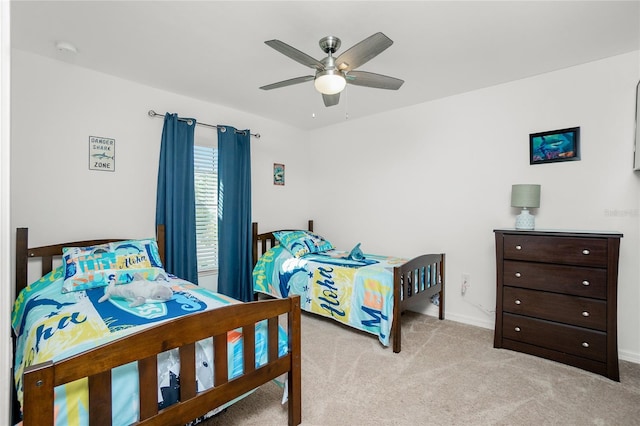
point(289, 82)
point(295, 54)
point(363, 52)
point(331, 100)
point(370, 79)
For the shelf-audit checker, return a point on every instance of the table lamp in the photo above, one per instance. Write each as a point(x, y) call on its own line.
point(526, 196)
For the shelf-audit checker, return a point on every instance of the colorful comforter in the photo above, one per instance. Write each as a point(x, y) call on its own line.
point(358, 293)
point(51, 325)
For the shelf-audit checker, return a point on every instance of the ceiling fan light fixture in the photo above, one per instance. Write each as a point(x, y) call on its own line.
point(329, 82)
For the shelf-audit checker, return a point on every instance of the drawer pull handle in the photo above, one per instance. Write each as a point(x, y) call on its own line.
point(518, 274)
point(518, 302)
point(518, 247)
point(585, 283)
point(517, 329)
point(585, 344)
point(585, 314)
point(585, 252)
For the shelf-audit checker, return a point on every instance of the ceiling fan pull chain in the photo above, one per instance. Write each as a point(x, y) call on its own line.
point(346, 103)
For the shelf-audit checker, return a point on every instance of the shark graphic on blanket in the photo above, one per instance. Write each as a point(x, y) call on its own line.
point(356, 292)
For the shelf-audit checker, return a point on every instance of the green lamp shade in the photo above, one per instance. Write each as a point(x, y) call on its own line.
point(525, 195)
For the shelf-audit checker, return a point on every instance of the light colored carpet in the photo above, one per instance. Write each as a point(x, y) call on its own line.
point(448, 373)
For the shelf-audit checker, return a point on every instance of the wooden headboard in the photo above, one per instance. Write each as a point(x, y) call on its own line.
point(263, 242)
point(48, 253)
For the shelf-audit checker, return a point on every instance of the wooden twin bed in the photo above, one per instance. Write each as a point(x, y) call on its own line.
point(417, 279)
point(143, 347)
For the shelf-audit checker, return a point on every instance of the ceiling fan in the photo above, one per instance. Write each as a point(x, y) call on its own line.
point(333, 73)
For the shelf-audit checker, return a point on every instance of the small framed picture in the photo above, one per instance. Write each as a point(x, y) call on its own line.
point(554, 146)
point(278, 174)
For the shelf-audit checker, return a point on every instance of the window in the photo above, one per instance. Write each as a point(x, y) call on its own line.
point(205, 159)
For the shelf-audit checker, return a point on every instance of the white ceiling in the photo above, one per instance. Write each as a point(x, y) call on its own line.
point(215, 51)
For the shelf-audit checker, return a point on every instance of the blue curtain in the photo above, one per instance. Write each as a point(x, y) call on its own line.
point(234, 214)
point(176, 200)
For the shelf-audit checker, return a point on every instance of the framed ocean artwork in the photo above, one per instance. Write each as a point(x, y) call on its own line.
point(554, 146)
point(278, 174)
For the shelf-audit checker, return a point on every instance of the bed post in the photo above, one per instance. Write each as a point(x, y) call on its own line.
point(310, 225)
point(295, 371)
point(22, 239)
point(39, 385)
point(160, 238)
point(254, 251)
point(442, 281)
point(254, 243)
point(397, 301)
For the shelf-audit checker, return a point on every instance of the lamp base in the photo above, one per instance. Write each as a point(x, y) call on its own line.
point(525, 220)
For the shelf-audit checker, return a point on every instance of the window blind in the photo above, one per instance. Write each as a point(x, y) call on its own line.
point(205, 160)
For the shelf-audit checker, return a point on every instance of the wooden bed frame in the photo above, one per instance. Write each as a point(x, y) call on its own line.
point(183, 333)
point(405, 277)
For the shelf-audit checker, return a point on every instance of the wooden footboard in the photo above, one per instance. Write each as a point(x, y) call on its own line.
point(183, 333)
point(418, 279)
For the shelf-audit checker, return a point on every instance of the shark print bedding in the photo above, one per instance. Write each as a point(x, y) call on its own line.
point(354, 291)
point(52, 325)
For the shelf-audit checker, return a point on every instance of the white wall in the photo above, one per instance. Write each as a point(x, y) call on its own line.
point(429, 178)
point(5, 247)
point(437, 177)
point(56, 107)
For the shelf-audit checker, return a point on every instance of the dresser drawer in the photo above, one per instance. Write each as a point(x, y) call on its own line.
point(580, 311)
point(579, 281)
point(573, 340)
point(568, 251)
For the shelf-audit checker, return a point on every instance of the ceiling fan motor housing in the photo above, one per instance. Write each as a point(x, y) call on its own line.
point(329, 44)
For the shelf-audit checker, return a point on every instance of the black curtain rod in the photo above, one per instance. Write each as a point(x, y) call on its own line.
point(152, 113)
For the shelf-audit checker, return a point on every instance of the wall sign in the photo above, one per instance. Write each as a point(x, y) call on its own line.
point(278, 174)
point(102, 154)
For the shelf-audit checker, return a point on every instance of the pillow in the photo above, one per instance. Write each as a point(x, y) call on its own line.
point(96, 266)
point(300, 243)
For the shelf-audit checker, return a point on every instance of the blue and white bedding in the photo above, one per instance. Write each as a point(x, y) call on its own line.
point(331, 283)
point(52, 325)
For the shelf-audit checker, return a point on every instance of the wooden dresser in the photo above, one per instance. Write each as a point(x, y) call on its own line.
point(557, 296)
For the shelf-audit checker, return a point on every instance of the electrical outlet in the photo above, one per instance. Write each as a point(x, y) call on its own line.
point(466, 282)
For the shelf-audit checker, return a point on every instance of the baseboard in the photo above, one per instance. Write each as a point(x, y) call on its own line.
point(629, 356)
point(432, 310)
point(470, 321)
